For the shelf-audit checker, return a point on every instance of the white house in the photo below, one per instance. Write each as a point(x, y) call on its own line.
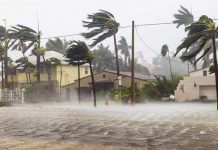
point(198, 85)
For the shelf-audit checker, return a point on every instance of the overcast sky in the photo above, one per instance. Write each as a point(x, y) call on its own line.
point(63, 17)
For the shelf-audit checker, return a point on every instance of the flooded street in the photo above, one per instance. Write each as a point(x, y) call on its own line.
point(149, 126)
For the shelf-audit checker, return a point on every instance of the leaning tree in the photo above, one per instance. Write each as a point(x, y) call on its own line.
point(78, 53)
point(103, 25)
point(199, 34)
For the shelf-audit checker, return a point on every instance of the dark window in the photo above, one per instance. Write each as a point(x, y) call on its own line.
point(86, 70)
point(204, 73)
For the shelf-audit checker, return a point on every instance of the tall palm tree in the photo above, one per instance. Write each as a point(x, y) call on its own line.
point(103, 25)
point(124, 47)
point(56, 45)
point(40, 52)
point(2, 52)
point(164, 52)
point(31, 37)
point(200, 33)
point(78, 53)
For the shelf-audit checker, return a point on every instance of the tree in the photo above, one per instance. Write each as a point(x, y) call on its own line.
point(27, 66)
point(56, 45)
point(24, 34)
point(102, 23)
point(40, 52)
point(184, 17)
point(78, 53)
point(164, 52)
point(2, 52)
point(103, 59)
point(124, 47)
point(200, 33)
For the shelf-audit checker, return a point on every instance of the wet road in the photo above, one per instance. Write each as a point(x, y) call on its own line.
point(150, 126)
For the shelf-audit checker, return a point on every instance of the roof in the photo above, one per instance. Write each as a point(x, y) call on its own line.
point(126, 74)
point(50, 54)
point(198, 70)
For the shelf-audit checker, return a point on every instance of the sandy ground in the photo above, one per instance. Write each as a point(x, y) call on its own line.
point(190, 126)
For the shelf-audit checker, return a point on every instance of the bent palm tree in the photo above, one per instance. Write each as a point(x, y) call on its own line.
point(184, 17)
point(24, 34)
point(200, 33)
point(56, 45)
point(164, 52)
point(102, 23)
point(78, 53)
point(124, 47)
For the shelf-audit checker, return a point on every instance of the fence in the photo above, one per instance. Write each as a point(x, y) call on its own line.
point(16, 95)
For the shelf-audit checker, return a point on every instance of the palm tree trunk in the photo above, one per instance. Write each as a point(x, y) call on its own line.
point(48, 72)
point(61, 79)
point(170, 66)
point(12, 81)
point(116, 54)
point(79, 82)
point(2, 72)
point(29, 77)
point(6, 69)
point(26, 71)
point(93, 84)
point(38, 68)
point(215, 66)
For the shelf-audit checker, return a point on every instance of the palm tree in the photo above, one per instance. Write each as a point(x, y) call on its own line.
point(184, 17)
point(102, 23)
point(164, 52)
point(2, 52)
point(40, 52)
point(11, 69)
point(27, 66)
point(103, 58)
point(23, 34)
point(78, 53)
point(56, 45)
point(58, 62)
point(200, 33)
point(124, 47)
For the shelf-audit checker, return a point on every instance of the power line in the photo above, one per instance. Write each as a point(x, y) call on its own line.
point(122, 27)
point(143, 42)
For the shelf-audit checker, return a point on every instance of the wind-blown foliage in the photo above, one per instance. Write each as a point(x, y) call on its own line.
point(184, 17)
point(103, 25)
point(56, 45)
point(199, 34)
point(79, 53)
point(124, 47)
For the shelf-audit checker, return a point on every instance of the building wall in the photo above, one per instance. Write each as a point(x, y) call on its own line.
point(126, 81)
point(70, 73)
point(190, 88)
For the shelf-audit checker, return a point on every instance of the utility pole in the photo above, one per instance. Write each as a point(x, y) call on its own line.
point(133, 65)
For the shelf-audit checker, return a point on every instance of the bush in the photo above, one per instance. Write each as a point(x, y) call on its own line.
point(124, 94)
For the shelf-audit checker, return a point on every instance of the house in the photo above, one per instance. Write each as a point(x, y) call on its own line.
point(104, 81)
point(198, 85)
point(69, 72)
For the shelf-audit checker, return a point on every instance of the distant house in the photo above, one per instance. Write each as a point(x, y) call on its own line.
point(69, 72)
point(199, 85)
point(104, 81)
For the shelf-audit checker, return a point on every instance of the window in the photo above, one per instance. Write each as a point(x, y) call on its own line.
point(205, 73)
point(86, 70)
